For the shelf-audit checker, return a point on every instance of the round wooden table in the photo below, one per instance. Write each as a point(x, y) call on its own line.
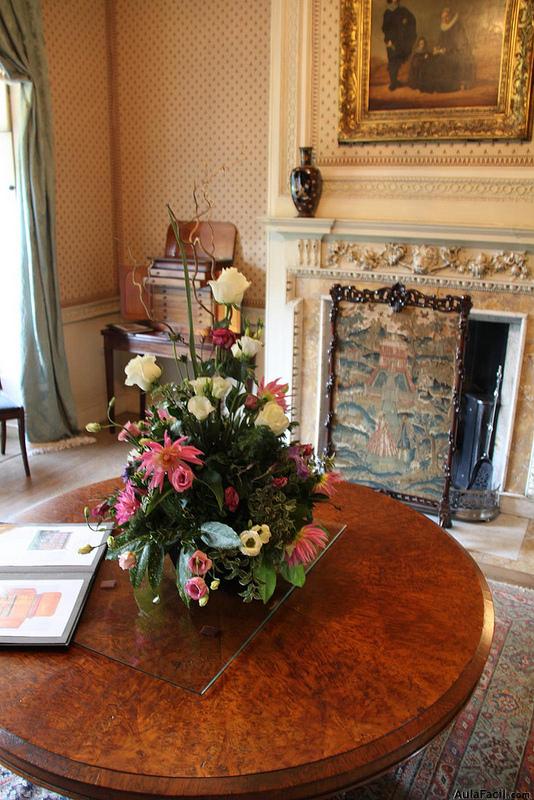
point(353, 673)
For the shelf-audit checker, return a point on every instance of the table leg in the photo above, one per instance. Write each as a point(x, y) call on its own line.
point(142, 404)
point(108, 358)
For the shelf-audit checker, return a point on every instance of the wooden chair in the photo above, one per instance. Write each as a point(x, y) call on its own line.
point(8, 410)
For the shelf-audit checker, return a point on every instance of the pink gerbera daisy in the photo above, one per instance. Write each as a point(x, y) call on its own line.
point(274, 390)
point(305, 546)
point(126, 504)
point(170, 459)
point(327, 483)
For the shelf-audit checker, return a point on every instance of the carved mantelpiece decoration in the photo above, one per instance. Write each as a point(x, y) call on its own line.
point(427, 264)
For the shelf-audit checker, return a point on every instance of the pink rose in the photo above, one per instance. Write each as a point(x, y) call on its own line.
point(222, 337)
point(231, 498)
point(129, 430)
point(182, 477)
point(127, 560)
point(196, 588)
point(199, 563)
point(279, 483)
point(251, 402)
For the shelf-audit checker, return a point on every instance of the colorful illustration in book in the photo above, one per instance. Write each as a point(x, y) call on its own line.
point(50, 539)
point(18, 605)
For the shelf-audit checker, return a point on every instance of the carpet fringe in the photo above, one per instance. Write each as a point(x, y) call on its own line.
point(41, 448)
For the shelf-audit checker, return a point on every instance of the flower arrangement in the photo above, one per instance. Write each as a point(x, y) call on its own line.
point(211, 475)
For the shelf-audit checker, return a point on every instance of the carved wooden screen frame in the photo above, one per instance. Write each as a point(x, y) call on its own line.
point(398, 297)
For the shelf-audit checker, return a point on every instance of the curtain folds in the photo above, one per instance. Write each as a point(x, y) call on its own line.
point(45, 381)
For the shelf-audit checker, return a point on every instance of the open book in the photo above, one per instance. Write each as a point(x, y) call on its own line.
point(44, 580)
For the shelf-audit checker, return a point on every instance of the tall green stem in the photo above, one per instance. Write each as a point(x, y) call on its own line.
point(192, 348)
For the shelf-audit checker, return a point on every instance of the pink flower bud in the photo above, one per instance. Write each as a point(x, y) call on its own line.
point(251, 402)
point(231, 498)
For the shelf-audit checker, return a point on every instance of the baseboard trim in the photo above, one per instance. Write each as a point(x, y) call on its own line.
point(517, 504)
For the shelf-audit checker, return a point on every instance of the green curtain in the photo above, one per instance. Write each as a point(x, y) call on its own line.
point(45, 387)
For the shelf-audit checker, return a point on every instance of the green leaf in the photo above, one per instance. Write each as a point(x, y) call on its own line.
point(213, 481)
point(137, 572)
point(155, 565)
point(294, 575)
point(266, 575)
point(183, 574)
point(219, 535)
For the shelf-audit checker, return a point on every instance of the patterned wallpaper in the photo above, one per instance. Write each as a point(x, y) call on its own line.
point(189, 97)
point(75, 36)
point(192, 84)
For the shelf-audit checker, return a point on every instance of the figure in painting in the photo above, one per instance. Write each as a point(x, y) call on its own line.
point(418, 77)
point(400, 32)
point(452, 67)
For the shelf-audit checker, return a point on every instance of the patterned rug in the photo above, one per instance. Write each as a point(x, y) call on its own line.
point(490, 745)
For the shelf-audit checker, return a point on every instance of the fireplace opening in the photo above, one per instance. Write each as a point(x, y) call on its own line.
point(485, 358)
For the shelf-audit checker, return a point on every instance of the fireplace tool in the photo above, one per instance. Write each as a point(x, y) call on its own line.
point(480, 501)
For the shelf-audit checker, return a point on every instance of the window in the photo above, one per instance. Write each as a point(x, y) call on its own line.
point(10, 318)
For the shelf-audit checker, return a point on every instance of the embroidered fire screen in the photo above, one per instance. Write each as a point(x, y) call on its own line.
point(395, 370)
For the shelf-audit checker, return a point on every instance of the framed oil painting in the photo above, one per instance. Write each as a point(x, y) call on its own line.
point(395, 367)
point(430, 69)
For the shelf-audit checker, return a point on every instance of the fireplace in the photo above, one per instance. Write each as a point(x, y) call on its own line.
point(307, 256)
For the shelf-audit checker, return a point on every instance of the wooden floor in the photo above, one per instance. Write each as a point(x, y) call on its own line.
point(55, 473)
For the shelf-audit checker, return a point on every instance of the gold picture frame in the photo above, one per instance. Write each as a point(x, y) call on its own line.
point(448, 71)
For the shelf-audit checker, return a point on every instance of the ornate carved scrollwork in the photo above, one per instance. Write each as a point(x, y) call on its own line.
point(428, 259)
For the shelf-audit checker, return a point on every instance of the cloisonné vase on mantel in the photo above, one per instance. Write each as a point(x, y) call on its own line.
point(306, 184)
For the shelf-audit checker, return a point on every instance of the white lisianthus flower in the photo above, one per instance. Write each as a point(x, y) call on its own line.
point(273, 417)
point(246, 347)
point(200, 407)
point(251, 543)
point(264, 532)
point(142, 371)
point(229, 287)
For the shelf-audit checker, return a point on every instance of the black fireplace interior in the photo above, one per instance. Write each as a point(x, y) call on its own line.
point(485, 352)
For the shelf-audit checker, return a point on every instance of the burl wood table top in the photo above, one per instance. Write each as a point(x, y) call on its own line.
point(355, 672)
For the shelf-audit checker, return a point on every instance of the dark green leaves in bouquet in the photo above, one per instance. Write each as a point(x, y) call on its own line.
point(294, 575)
point(137, 572)
point(219, 535)
point(183, 574)
point(212, 479)
point(155, 564)
point(265, 575)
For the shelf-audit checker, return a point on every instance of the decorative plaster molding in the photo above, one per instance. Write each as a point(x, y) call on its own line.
point(426, 259)
point(85, 311)
point(529, 491)
point(440, 281)
point(493, 189)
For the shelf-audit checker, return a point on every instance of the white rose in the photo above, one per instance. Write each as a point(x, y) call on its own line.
point(273, 417)
point(250, 543)
point(142, 371)
point(229, 287)
point(199, 385)
point(220, 387)
point(200, 407)
point(246, 347)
